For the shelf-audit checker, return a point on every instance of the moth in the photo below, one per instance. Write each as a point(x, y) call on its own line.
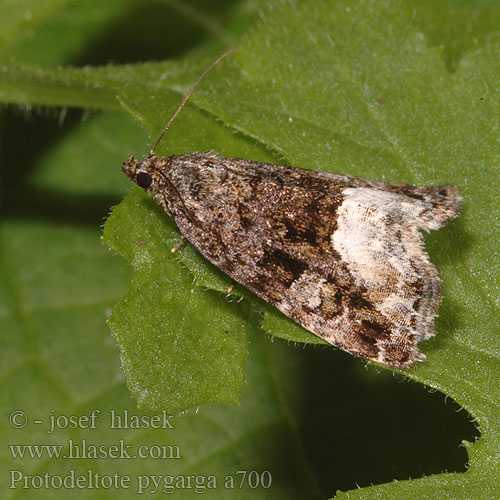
point(341, 256)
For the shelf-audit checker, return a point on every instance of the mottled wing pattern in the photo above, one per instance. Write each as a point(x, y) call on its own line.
point(342, 256)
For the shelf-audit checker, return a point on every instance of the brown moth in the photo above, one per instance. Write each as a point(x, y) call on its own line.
point(341, 256)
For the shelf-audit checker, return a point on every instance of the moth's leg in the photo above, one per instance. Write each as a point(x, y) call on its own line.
point(230, 288)
point(181, 241)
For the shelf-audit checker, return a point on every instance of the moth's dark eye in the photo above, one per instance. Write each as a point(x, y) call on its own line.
point(144, 180)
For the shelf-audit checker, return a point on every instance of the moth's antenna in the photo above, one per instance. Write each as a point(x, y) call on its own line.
point(188, 95)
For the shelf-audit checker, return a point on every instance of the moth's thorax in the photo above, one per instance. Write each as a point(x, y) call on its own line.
point(177, 183)
point(191, 167)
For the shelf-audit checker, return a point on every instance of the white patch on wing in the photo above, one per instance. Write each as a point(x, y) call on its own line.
point(382, 249)
point(368, 241)
point(385, 201)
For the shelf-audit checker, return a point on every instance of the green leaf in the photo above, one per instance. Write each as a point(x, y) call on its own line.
point(379, 90)
point(367, 95)
point(57, 286)
point(181, 345)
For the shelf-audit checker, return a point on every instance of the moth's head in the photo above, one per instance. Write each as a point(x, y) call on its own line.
point(142, 173)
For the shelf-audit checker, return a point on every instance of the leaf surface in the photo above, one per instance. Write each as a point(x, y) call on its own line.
point(378, 90)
